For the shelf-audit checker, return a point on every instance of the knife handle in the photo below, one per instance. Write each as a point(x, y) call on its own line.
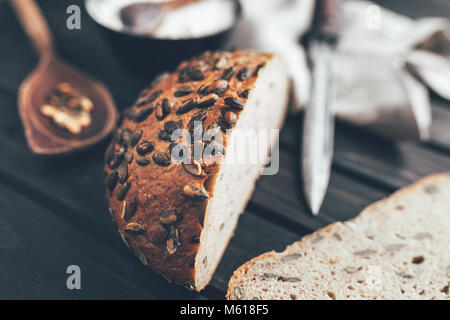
point(325, 23)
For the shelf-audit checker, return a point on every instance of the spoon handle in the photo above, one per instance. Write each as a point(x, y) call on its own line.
point(34, 24)
point(177, 3)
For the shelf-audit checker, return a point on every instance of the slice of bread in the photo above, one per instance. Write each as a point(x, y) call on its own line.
point(397, 248)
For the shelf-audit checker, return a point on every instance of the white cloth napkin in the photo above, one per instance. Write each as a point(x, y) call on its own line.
point(383, 62)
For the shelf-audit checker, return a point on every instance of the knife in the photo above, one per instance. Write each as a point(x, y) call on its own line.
point(318, 126)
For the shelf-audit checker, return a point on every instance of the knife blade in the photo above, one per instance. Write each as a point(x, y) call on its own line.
point(318, 125)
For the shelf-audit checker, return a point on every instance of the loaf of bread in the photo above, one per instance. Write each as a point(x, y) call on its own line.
point(398, 248)
point(178, 215)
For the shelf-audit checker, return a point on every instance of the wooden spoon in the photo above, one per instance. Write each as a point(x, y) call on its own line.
point(43, 135)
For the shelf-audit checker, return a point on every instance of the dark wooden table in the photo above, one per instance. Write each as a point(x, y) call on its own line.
point(53, 213)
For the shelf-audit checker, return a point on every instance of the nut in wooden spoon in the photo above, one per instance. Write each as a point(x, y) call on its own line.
point(62, 110)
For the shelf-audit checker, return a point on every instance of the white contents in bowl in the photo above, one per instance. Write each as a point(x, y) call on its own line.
point(195, 20)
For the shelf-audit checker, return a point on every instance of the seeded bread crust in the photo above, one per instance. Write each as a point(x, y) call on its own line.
point(158, 205)
point(256, 279)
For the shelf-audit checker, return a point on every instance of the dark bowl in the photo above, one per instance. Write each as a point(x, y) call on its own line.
point(148, 56)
